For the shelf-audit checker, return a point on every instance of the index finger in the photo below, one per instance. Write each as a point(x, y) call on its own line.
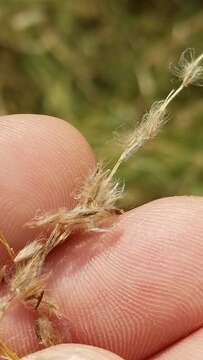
point(43, 161)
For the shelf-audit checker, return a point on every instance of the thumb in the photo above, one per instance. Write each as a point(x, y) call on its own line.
point(73, 352)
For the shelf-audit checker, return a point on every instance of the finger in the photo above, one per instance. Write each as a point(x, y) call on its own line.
point(73, 352)
point(187, 349)
point(133, 290)
point(43, 161)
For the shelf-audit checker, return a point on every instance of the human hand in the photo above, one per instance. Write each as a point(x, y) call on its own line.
point(134, 290)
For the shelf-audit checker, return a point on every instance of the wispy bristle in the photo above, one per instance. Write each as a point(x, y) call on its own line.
point(98, 191)
point(189, 69)
point(3, 273)
point(7, 247)
point(150, 125)
point(6, 353)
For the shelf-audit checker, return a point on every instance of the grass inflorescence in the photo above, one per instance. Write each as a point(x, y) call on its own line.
point(96, 201)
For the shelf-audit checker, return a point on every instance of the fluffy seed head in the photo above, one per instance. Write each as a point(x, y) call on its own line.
point(189, 69)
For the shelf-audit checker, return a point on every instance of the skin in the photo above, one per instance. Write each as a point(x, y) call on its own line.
point(135, 290)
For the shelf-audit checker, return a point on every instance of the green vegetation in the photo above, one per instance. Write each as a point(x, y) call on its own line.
point(100, 64)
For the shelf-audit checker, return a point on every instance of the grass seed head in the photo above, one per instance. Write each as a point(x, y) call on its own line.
point(189, 68)
point(95, 202)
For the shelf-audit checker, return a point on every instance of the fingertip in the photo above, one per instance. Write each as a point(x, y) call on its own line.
point(148, 266)
point(73, 352)
point(133, 290)
point(43, 161)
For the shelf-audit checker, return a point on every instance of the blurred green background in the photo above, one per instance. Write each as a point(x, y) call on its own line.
point(100, 64)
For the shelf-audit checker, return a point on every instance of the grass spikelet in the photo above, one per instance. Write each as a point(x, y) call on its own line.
point(27, 281)
point(47, 329)
point(3, 273)
point(26, 285)
point(189, 69)
point(6, 353)
point(28, 251)
point(97, 195)
point(49, 307)
point(148, 128)
point(5, 302)
point(7, 247)
point(96, 201)
point(98, 192)
point(46, 332)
